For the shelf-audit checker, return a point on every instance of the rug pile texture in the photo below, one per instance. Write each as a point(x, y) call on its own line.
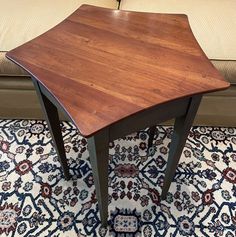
point(35, 199)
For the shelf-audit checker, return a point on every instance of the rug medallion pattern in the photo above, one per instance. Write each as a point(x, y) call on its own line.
point(35, 199)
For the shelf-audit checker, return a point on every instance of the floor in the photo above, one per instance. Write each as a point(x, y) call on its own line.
point(35, 200)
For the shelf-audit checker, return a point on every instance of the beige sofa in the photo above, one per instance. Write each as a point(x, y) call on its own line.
point(213, 23)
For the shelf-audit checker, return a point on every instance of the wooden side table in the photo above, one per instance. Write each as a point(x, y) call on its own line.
point(115, 72)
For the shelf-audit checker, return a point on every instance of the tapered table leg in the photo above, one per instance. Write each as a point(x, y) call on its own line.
point(180, 134)
point(98, 147)
point(53, 122)
point(151, 133)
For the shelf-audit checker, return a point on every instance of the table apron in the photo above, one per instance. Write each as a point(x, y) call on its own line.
point(148, 118)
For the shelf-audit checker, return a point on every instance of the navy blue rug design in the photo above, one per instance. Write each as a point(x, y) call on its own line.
point(35, 199)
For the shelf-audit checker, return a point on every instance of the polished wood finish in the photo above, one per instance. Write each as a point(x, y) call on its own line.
point(115, 72)
point(121, 62)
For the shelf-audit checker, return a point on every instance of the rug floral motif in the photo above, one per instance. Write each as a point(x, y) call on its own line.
point(36, 200)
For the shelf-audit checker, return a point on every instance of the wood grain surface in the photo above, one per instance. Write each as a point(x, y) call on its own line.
point(104, 65)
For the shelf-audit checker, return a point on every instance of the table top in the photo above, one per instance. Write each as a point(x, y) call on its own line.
point(104, 65)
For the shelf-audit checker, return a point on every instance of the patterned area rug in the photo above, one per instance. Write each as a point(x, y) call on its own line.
point(35, 200)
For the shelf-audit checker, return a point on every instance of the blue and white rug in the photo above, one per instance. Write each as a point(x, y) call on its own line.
point(35, 200)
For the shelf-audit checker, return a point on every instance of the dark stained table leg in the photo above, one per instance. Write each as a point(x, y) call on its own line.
point(151, 133)
point(98, 146)
point(53, 122)
point(180, 134)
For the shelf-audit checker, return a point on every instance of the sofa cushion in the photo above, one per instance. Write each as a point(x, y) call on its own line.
point(21, 21)
point(213, 21)
point(227, 68)
point(16, 83)
point(8, 68)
